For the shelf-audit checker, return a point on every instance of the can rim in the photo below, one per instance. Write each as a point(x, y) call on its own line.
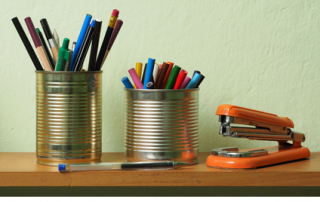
point(161, 90)
point(67, 72)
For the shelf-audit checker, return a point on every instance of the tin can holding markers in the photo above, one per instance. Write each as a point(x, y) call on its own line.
point(69, 117)
point(162, 124)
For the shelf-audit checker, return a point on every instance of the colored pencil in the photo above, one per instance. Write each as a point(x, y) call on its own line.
point(46, 50)
point(52, 43)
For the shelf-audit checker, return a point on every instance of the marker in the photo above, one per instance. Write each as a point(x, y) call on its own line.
point(80, 40)
point(144, 72)
point(105, 43)
point(138, 70)
point(117, 166)
point(52, 43)
point(126, 82)
point(155, 72)
point(182, 75)
point(149, 72)
point(200, 81)
point(27, 44)
point(150, 85)
point(113, 38)
point(173, 77)
point(195, 79)
point(165, 79)
point(185, 82)
point(46, 50)
point(196, 71)
point(63, 56)
point(162, 74)
point(135, 78)
point(84, 48)
point(56, 37)
point(37, 43)
point(95, 44)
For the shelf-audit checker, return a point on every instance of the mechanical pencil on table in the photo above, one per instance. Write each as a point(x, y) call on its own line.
point(173, 77)
point(46, 50)
point(126, 82)
point(52, 42)
point(195, 79)
point(106, 39)
point(149, 71)
point(27, 44)
point(182, 75)
point(135, 78)
point(165, 79)
point(37, 43)
point(113, 38)
point(63, 56)
point(118, 166)
point(185, 82)
point(162, 74)
point(84, 47)
point(138, 70)
point(80, 40)
point(95, 44)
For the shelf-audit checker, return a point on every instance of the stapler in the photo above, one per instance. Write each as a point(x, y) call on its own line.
point(256, 125)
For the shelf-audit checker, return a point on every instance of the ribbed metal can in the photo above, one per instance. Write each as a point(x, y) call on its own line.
point(162, 125)
point(68, 117)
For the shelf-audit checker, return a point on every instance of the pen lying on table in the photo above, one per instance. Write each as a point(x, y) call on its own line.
point(165, 165)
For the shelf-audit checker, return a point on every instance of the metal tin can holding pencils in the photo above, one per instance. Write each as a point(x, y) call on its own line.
point(68, 117)
point(162, 124)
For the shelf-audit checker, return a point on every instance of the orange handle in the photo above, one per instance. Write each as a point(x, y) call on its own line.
point(251, 114)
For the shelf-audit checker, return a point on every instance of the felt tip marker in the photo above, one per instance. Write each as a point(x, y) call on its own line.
point(194, 81)
point(135, 78)
point(126, 82)
point(185, 82)
point(149, 72)
point(182, 75)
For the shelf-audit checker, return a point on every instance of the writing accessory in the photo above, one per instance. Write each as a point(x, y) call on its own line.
point(74, 45)
point(67, 67)
point(37, 43)
point(185, 82)
point(46, 50)
point(162, 74)
point(27, 44)
point(150, 85)
point(182, 75)
point(144, 73)
point(165, 79)
point(126, 82)
point(113, 38)
point(173, 77)
point(138, 70)
point(52, 43)
point(196, 71)
point(263, 126)
point(155, 72)
point(95, 44)
point(56, 37)
point(135, 78)
point(105, 42)
point(80, 40)
point(194, 81)
point(200, 81)
point(84, 47)
point(63, 56)
point(149, 72)
point(125, 165)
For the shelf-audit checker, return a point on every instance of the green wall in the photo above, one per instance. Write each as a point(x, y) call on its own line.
point(257, 54)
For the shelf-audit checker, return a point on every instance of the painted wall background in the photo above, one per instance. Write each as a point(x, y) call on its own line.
point(257, 54)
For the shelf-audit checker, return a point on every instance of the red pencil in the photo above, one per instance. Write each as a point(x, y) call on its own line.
point(182, 75)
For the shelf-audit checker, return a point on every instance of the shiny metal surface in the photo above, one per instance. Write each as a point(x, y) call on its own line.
point(234, 152)
point(162, 125)
point(68, 117)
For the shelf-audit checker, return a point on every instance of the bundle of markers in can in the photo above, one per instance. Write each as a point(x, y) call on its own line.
point(65, 59)
point(161, 76)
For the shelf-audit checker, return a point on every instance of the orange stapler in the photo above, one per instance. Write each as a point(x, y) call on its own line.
point(260, 126)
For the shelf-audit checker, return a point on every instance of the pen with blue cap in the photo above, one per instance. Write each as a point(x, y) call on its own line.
point(194, 81)
point(118, 166)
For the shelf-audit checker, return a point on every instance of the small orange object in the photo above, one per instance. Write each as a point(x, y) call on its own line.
point(267, 127)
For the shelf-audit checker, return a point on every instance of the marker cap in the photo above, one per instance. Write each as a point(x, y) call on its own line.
point(62, 167)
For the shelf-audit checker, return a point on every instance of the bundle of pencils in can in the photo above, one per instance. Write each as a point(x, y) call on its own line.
point(161, 76)
point(63, 58)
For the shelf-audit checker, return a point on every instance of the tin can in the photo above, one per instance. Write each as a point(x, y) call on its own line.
point(162, 125)
point(68, 117)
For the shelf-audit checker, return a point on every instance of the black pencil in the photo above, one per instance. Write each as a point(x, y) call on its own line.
point(27, 44)
point(94, 46)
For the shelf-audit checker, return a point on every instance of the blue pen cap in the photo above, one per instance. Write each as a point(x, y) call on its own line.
point(149, 72)
point(62, 167)
point(126, 82)
point(194, 81)
point(93, 23)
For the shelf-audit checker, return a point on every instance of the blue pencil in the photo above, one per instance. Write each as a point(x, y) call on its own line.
point(149, 72)
point(194, 81)
point(80, 40)
point(126, 82)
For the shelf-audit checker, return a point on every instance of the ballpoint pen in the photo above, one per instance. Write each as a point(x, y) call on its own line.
point(123, 165)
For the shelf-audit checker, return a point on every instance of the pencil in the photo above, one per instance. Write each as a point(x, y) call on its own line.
point(37, 44)
point(27, 44)
point(105, 43)
point(95, 44)
point(46, 50)
point(52, 42)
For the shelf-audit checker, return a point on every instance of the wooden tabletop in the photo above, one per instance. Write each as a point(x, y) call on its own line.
point(21, 169)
